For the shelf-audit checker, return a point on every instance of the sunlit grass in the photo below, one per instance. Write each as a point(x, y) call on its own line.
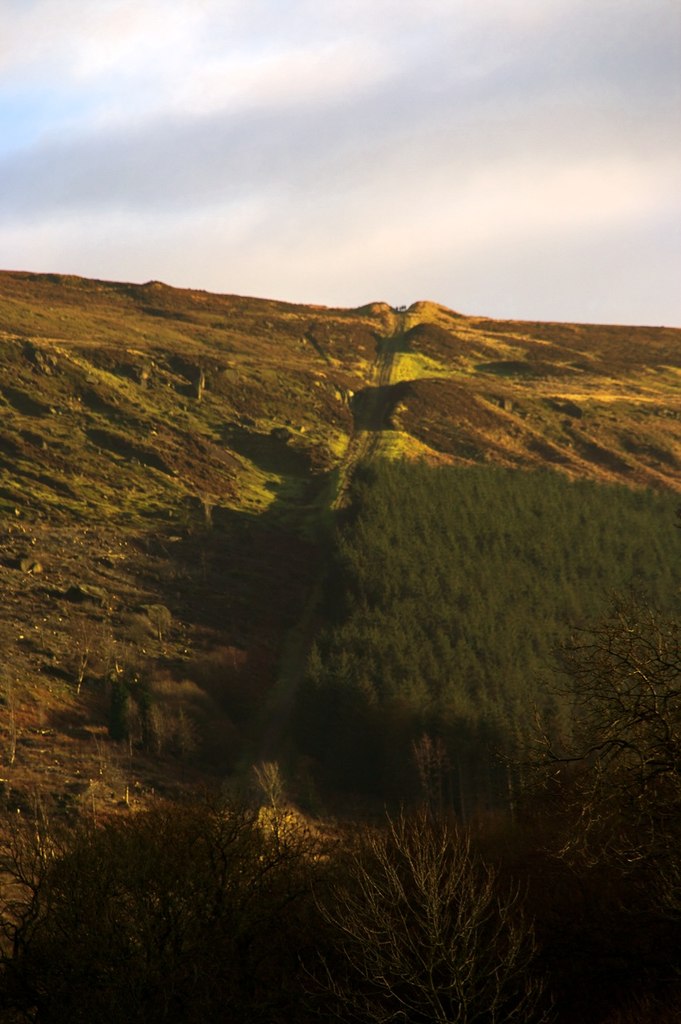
point(412, 365)
point(397, 444)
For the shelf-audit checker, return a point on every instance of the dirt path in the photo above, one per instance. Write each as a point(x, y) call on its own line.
point(372, 408)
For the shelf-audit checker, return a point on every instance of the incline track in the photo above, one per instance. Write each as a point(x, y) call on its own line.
point(370, 419)
point(371, 414)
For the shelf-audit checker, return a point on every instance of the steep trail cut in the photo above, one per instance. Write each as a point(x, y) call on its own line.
point(371, 409)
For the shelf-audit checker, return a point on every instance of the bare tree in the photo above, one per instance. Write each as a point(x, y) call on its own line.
point(9, 700)
point(181, 913)
point(91, 648)
point(270, 783)
point(622, 764)
point(160, 618)
point(428, 935)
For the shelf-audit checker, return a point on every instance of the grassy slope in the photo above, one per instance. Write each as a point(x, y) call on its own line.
point(601, 402)
point(114, 473)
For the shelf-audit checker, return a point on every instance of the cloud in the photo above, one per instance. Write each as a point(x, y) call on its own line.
point(326, 147)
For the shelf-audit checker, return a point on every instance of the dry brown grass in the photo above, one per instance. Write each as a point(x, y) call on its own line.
point(117, 470)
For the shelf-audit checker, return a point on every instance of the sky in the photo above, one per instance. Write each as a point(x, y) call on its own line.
point(507, 158)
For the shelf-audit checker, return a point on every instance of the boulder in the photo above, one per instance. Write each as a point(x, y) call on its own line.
point(30, 564)
point(85, 593)
point(43, 361)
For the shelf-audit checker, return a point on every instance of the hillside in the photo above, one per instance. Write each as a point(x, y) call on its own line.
point(170, 462)
point(442, 623)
